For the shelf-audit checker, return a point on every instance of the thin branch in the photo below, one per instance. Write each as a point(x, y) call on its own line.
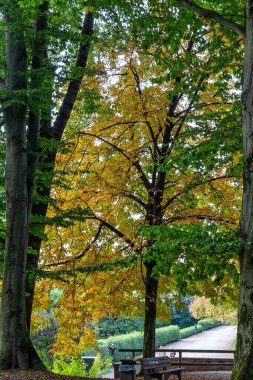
point(115, 230)
point(100, 228)
point(134, 162)
point(74, 86)
point(91, 268)
point(194, 186)
point(144, 109)
point(119, 123)
point(134, 198)
point(199, 217)
point(208, 13)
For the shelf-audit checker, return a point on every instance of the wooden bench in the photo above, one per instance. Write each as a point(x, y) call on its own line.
point(159, 368)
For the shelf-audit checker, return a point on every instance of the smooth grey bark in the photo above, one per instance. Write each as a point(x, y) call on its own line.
point(16, 350)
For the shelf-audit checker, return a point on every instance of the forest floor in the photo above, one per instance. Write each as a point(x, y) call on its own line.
point(44, 375)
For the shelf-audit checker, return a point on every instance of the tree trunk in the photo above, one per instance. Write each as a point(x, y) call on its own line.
point(16, 350)
point(56, 132)
point(150, 311)
point(33, 259)
point(243, 369)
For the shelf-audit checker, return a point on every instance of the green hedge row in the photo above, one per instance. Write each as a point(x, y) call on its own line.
point(188, 331)
point(164, 335)
point(208, 323)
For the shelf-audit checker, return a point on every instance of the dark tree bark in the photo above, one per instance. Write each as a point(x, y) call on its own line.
point(33, 138)
point(22, 157)
point(55, 132)
point(151, 284)
point(16, 350)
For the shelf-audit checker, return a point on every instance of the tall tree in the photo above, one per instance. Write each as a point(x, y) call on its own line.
point(24, 100)
point(243, 368)
point(144, 165)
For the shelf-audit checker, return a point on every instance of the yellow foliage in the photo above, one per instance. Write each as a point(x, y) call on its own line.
point(115, 154)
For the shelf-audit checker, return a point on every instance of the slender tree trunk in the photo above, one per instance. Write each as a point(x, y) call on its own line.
point(56, 132)
point(150, 311)
point(243, 369)
point(16, 350)
point(33, 259)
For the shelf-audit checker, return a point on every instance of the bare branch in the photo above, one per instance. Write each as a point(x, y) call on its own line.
point(72, 259)
point(134, 162)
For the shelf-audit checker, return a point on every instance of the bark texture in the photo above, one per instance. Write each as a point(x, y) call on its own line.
point(55, 132)
point(16, 350)
point(244, 351)
point(150, 312)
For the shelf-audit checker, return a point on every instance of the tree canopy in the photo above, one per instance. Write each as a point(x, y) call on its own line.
point(124, 154)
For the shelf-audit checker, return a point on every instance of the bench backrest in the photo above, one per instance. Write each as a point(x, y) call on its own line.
point(155, 363)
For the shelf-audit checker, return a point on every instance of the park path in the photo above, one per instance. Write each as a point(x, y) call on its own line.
point(219, 338)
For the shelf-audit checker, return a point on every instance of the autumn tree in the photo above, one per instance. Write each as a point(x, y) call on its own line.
point(202, 307)
point(142, 169)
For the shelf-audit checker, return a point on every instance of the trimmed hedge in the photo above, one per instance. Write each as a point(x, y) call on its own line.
point(188, 331)
point(208, 323)
point(164, 335)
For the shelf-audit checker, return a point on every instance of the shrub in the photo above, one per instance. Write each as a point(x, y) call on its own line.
point(164, 335)
point(208, 323)
point(133, 340)
point(188, 331)
point(72, 367)
point(199, 328)
point(75, 367)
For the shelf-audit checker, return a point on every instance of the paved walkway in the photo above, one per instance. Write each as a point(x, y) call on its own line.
point(219, 338)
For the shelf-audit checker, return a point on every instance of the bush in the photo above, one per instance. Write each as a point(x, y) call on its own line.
point(188, 331)
point(75, 367)
point(208, 323)
point(164, 335)
point(72, 367)
point(133, 340)
point(119, 325)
